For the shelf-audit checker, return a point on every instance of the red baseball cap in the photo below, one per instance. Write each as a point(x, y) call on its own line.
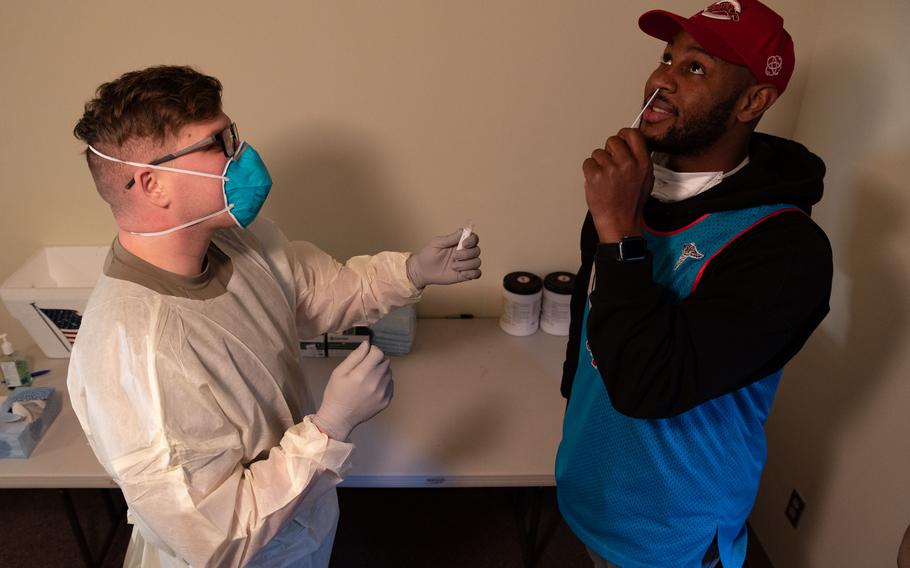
point(744, 32)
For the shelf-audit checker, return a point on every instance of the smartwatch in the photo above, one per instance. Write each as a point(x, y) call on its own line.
point(627, 250)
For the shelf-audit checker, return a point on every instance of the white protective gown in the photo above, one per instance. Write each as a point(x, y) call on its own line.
point(198, 409)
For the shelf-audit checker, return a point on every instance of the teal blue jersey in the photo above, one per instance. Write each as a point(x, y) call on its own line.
point(645, 493)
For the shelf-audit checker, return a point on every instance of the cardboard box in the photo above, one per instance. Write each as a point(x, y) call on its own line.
point(315, 347)
point(341, 344)
point(334, 344)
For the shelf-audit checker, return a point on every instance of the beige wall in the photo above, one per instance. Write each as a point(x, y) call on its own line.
point(384, 123)
point(840, 430)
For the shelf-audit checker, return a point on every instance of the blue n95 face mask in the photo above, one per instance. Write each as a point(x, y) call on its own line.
point(245, 181)
point(246, 185)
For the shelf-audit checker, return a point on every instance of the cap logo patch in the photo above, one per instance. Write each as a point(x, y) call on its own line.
point(728, 10)
point(774, 65)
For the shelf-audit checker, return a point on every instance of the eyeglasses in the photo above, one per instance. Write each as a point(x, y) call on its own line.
point(228, 139)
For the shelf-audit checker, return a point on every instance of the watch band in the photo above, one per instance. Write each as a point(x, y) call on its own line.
point(629, 249)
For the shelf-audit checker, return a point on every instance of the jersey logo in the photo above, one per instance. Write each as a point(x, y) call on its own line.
point(689, 250)
point(588, 347)
point(729, 10)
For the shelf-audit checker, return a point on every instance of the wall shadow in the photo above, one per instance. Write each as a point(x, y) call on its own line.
point(834, 379)
point(832, 383)
point(332, 188)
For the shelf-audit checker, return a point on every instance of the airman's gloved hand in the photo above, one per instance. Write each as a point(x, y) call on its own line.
point(360, 388)
point(440, 263)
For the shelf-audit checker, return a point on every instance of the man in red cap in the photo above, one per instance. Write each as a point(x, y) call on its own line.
point(702, 275)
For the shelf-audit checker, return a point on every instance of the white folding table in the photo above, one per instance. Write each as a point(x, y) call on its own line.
point(473, 407)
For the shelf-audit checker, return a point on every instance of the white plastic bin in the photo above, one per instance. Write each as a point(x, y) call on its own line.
point(49, 292)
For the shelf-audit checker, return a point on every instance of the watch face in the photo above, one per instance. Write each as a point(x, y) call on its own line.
point(632, 248)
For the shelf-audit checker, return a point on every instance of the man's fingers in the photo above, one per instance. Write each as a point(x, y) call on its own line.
point(446, 241)
point(636, 143)
point(389, 392)
point(590, 168)
point(353, 359)
point(601, 157)
point(383, 368)
point(375, 356)
point(649, 178)
point(471, 241)
point(465, 275)
point(466, 253)
point(469, 264)
point(618, 149)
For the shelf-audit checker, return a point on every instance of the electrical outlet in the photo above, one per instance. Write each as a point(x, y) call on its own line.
point(795, 508)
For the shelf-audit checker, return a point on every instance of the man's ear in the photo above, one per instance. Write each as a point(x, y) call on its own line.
point(754, 101)
point(148, 183)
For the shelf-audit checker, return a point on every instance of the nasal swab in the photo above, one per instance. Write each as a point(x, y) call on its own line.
point(647, 104)
point(465, 233)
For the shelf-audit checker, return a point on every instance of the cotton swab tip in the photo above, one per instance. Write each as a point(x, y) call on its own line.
point(465, 233)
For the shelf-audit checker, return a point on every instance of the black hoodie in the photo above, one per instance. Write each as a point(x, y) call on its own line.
point(756, 304)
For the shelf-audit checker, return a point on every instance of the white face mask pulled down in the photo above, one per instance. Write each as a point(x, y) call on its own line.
point(671, 186)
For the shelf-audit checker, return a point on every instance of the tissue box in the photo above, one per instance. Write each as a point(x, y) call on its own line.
point(18, 439)
point(49, 292)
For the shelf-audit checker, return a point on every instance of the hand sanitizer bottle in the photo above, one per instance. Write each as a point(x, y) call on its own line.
point(13, 365)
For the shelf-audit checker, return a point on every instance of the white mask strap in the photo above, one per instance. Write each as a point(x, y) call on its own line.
point(179, 171)
point(164, 168)
point(183, 226)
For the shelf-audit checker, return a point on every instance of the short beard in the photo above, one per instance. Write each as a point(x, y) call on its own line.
point(698, 134)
